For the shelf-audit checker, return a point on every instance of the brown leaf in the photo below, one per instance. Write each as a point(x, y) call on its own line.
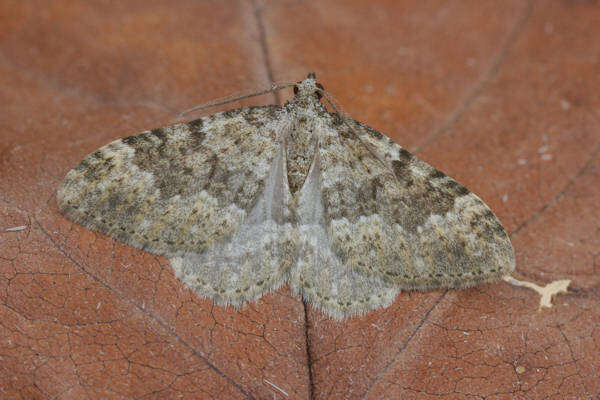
point(503, 96)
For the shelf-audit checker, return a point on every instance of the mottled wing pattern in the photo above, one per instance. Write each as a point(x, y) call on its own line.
point(257, 257)
point(388, 221)
point(418, 228)
point(185, 191)
point(334, 269)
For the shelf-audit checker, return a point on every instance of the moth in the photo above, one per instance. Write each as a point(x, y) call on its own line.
point(248, 199)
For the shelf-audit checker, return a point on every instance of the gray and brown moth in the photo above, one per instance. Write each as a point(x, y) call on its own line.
point(245, 200)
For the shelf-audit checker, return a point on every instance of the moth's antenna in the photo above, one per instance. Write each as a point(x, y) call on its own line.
point(235, 97)
point(333, 103)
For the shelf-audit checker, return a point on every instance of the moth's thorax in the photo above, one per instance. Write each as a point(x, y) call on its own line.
point(308, 114)
point(300, 151)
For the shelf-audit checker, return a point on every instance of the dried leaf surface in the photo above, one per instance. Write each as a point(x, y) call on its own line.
point(504, 97)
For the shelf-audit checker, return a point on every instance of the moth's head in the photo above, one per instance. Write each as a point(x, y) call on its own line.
point(309, 88)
